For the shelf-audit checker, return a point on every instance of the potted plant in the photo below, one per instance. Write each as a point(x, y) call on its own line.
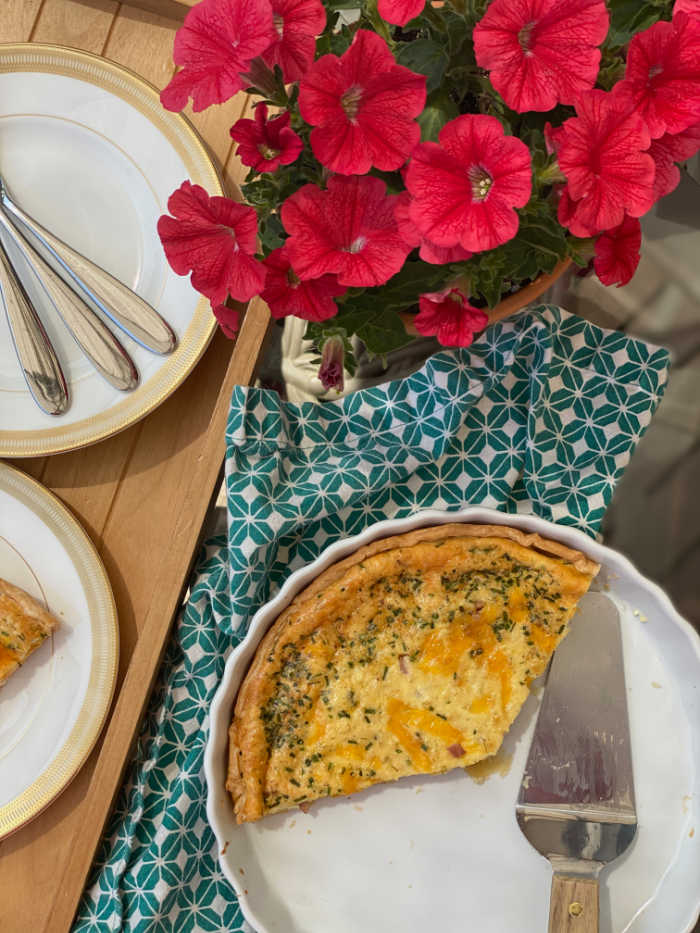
point(430, 160)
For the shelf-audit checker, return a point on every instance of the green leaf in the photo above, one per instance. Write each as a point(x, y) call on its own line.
point(537, 247)
point(427, 57)
point(380, 329)
point(271, 233)
point(439, 110)
point(628, 17)
point(459, 33)
point(403, 289)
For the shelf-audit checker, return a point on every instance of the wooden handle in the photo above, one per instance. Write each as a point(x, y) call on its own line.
point(573, 905)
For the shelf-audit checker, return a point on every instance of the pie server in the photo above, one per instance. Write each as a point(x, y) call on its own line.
point(576, 801)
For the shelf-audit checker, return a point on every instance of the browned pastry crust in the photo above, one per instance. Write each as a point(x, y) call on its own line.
point(24, 625)
point(255, 767)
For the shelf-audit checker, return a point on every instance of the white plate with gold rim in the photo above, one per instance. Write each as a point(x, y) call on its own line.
point(445, 852)
point(53, 708)
point(88, 150)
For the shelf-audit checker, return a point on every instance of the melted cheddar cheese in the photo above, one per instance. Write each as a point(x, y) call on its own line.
point(416, 660)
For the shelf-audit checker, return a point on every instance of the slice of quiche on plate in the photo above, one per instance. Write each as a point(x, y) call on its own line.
point(24, 625)
point(413, 655)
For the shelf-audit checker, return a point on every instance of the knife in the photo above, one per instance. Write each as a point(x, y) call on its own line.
point(576, 801)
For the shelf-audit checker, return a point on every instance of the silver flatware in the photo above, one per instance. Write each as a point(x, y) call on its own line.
point(37, 357)
point(576, 803)
point(92, 335)
point(122, 306)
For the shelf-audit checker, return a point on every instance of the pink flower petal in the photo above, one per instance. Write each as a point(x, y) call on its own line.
point(297, 23)
point(449, 316)
point(286, 294)
point(266, 144)
point(662, 77)
point(602, 153)
point(363, 107)
point(399, 12)
point(214, 239)
point(541, 53)
point(348, 230)
point(465, 188)
point(228, 318)
point(666, 152)
point(617, 252)
point(216, 43)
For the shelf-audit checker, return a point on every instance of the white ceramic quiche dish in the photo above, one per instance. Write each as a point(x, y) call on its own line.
point(445, 853)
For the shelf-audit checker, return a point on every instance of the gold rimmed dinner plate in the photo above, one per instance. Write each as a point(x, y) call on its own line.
point(53, 708)
point(88, 150)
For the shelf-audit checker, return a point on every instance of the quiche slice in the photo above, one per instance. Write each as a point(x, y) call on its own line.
point(412, 656)
point(24, 625)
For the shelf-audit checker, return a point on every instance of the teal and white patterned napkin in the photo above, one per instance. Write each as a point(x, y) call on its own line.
point(541, 415)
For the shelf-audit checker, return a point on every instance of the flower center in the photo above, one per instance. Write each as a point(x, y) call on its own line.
point(654, 71)
point(292, 278)
point(267, 152)
point(350, 101)
point(481, 182)
point(525, 35)
point(357, 244)
point(232, 234)
point(278, 22)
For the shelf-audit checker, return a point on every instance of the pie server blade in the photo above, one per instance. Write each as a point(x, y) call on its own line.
point(576, 801)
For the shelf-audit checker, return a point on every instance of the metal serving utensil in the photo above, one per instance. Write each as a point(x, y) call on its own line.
point(37, 357)
point(92, 335)
point(576, 802)
point(122, 306)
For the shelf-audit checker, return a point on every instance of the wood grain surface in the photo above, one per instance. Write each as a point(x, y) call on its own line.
point(573, 906)
point(142, 495)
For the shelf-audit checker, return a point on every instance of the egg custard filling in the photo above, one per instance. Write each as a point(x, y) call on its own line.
point(412, 656)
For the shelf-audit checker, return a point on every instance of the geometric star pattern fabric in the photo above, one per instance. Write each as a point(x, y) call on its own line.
point(540, 415)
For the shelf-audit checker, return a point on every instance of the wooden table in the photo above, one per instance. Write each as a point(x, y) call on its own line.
point(142, 495)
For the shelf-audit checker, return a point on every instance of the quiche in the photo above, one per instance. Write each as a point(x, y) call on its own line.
point(24, 625)
point(412, 656)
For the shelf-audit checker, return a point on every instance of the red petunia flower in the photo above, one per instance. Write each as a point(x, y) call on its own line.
point(691, 7)
point(215, 45)
point(601, 153)
point(617, 252)
point(666, 152)
point(449, 316)
point(297, 23)
point(363, 107)
point(286, 294)
point(662, 77)
point(400, 12)
point(541, 53)
point(429, 252)
point(349, 230)
point(266, 144)
point(214, 239)
point(466, 188)
point(228, 318)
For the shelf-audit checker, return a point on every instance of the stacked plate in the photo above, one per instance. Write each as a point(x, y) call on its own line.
point(87, 149)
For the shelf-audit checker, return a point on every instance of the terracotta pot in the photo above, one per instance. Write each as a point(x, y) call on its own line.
point(513, 303)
